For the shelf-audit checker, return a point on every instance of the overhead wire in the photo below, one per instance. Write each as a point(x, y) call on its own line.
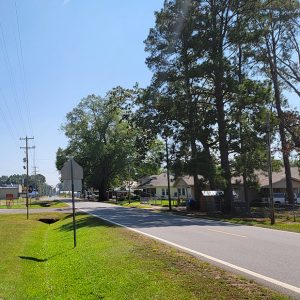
point(8, 120)
point(23, 73)
point(11, 79)
point(9, 129)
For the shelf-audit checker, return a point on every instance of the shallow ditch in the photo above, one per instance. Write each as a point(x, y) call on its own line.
point(48, 220)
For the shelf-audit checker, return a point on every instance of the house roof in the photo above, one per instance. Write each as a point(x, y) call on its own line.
point(263, 178)
point(188, 180)
point(155, 181)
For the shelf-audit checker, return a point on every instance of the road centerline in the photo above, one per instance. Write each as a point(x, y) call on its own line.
point(228, 233)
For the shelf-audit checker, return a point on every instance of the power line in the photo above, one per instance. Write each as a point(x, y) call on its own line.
point(11, 78)
point(23, 73)
point(9, 121)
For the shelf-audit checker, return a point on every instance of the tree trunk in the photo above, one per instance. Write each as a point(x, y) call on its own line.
point(223, 147)
point(218, 29)
point(103, 187)
point(211, 176)
point(197, 186)
point(284, 144)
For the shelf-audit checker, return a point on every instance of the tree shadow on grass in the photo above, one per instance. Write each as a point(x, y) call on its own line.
point(87, 221)
point(33, 258)
point(38, 259)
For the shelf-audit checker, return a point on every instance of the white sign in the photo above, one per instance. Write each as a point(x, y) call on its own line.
point(67, 185)
point(66, 172)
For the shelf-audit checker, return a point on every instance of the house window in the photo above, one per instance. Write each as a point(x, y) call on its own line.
point(183, 191)
point(179, 191)
point(165, 192)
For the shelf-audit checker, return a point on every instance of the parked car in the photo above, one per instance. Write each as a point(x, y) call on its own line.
point(95, 195)
point(33, 194)
point(279, 198)
point(297, 198)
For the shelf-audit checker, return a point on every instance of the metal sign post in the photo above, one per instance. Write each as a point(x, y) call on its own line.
point(72, 171)
point(73, 204)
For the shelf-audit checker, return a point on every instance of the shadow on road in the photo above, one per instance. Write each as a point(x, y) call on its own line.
point(138, 218)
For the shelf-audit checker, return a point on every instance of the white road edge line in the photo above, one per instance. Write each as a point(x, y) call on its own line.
point(246, 271)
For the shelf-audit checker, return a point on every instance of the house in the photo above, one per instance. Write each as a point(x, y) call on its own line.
point(185, 186)
point(278, 183)
point(180, 188)
point(11, 191)
point(157, 186)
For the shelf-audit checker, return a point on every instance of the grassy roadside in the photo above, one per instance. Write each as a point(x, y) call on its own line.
point(38, 262)
point(33, 204)
point(281, 223)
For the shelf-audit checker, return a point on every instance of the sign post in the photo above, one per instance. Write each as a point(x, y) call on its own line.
point(72, 171)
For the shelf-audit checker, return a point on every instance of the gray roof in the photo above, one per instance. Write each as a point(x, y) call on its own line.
point(155, 181)
point(263, 178)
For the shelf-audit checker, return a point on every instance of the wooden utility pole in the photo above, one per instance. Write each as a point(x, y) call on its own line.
point(272, 213)
point(168, 175)
point(27, 175)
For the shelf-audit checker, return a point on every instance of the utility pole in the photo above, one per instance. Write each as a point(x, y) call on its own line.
point(36, 185)
point(168, 174)
point(27, 175)
point(272, 213)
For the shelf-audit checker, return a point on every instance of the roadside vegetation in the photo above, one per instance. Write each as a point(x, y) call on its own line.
point(109, 262)
point(33, 203)
point(285, 220)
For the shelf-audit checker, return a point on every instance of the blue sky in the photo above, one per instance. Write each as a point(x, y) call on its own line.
point(67, 50)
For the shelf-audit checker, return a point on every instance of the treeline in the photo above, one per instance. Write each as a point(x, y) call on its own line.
point(37, 182)
point(220, 70)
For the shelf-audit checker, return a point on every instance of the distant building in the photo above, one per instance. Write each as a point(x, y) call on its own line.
point(11, 191)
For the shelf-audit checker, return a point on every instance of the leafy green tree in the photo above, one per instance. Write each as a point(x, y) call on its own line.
point(103, 142)
point(275, 21)
point(98, 140)
point(176, 102)
point(3, 180)
point(248, 135)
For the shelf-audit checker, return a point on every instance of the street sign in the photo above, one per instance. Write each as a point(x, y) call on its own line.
point(66, 173)
point(72, 171)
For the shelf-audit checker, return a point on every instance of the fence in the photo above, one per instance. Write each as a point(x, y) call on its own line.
point(163, 202)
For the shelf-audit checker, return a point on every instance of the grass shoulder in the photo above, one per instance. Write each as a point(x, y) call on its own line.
point(33, 203)
point(109, 262)
point(285, 224)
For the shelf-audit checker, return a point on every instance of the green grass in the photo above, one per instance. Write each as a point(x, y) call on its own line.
point(150, 203)
point(21, 203)
point(281, 223)
point(38, 262)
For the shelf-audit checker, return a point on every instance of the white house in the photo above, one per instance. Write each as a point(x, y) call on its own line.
point(157, 186)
